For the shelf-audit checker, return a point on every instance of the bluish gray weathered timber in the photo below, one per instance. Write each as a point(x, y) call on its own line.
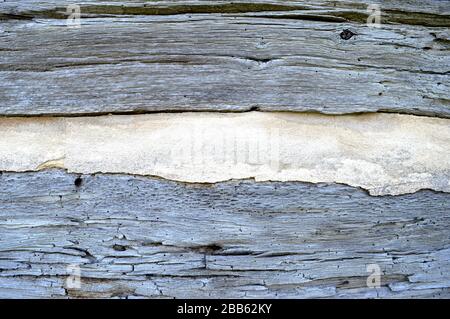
point(141, 56)
point(148, 237)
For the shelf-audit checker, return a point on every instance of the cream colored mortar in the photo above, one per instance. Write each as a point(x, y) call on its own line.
point(383, 153)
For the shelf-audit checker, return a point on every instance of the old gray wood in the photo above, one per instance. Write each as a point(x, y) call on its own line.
point(140, 56)
point(146, 237)
point(404, 11)
point(137, 237)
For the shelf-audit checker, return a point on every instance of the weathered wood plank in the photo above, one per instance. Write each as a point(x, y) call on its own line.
point(422, 12)
point(137, 237)
point(145, 237)
point(223, 57)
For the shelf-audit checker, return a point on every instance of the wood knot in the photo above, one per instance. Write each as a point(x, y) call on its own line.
point(78, 181)
point(347, 34)
point(117, 247)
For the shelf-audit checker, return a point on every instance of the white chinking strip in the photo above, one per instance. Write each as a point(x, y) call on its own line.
point(383, 153)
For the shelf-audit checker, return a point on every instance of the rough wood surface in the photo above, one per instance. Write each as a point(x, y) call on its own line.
point(135, 236)
point(233, 239)
point(140, 56)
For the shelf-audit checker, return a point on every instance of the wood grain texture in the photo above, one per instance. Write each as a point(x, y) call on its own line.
point(139, 56)
point(144, 237)
point(424, 11)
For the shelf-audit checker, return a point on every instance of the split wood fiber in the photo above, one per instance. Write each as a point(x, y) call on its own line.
point(138, 237)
